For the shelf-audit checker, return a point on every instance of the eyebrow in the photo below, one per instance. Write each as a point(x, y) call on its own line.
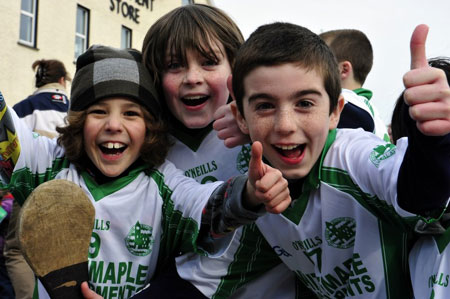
point(297, 94)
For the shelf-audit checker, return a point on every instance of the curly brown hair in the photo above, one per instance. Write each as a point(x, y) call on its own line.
point(153, 152)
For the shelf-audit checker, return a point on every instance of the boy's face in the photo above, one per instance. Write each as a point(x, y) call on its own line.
point(286, 108)
point(193, 92)
point(113, 133)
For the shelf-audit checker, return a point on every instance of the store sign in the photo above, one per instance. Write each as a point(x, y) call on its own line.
point(130, 8)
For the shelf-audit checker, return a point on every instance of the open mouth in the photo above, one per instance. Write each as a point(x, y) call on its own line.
point(290, 151)
point(194, 101)
point(112, 148)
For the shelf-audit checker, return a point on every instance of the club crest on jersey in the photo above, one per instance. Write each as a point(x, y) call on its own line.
point(340, 232)
point(382, 152)
point(139, 240)
point(243, 158)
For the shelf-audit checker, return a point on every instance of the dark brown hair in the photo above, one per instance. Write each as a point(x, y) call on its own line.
point(351, 45)
point(189, 27)
point(279, 43)
point(49, 71)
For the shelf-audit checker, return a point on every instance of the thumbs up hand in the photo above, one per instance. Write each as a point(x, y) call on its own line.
point(265, 185)
point(427, 90)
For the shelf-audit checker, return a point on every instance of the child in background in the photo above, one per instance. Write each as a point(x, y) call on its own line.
point(429, 259)
point(355, 197)
point(191, 51)
point(354, 54)
point(114, 148)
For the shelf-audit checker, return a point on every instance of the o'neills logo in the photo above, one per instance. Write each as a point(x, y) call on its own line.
point(139, 240)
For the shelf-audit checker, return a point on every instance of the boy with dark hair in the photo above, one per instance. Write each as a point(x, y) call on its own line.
point(355, 197)
point(354, 54)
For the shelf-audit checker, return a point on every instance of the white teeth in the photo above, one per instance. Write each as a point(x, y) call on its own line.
point(193, 97)
point(112, 145)
point(286, 147)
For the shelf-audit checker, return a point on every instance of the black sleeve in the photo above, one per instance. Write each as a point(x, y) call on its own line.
point(353, 117)
point(424, 179)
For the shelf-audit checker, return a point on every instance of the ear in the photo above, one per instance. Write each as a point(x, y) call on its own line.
point(242, 123)
point(346, 69)
point(335, 115)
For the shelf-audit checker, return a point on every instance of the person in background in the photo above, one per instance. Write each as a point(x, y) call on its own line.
point(47, 107)
point(42, 111)
point(354, 54)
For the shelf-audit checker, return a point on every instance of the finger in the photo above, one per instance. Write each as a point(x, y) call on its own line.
point(429, 111)
point(417, 46)
point(423, 76)
point(220, 112)
point(88, 293)
point(282, 204)
point(437, 127)
point(424, 94)
point(256, 165)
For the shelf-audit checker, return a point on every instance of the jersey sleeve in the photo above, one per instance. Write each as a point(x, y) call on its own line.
point(372, 166)
point(26, 157)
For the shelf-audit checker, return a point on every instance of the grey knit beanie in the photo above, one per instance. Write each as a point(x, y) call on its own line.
point(104, 72)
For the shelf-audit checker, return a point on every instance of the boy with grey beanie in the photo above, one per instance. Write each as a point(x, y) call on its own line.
point(114, 149)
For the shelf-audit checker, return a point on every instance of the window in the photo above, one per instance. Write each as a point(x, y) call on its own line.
point(125, 41)
point(82, 31)
point(28, 22)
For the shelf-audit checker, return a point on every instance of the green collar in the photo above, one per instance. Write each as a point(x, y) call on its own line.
point(364, 92)
point(103, 190)
point(310, 182)
point(313, 179)
point(192, 138)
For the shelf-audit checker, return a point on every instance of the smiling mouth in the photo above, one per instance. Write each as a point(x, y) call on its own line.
point(112, 148)
point(290, 151)
point(194, 101)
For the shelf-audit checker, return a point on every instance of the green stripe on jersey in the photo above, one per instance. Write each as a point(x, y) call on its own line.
point(253, 257)
point(341, 180)
point(394, 247)
point(443, 240)
point(23, 181)
point(179, 234)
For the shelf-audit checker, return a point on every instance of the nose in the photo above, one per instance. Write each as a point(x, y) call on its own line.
point(193, 75)
point(285, 122)
point(113, 124)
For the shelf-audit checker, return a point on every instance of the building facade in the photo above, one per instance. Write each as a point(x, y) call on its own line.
point(63, 29)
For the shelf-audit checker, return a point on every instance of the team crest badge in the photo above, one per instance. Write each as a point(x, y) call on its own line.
point(382, 152)
point(340, 232)
point(243, 159)
point(139, 240)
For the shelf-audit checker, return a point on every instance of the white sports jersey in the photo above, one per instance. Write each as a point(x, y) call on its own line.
point(345, 235)
point(429, 263)
point(209, 160)
point(364, 103)
point(140, 219)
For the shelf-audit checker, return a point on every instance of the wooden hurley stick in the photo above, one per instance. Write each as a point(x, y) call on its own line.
point(55, 227)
